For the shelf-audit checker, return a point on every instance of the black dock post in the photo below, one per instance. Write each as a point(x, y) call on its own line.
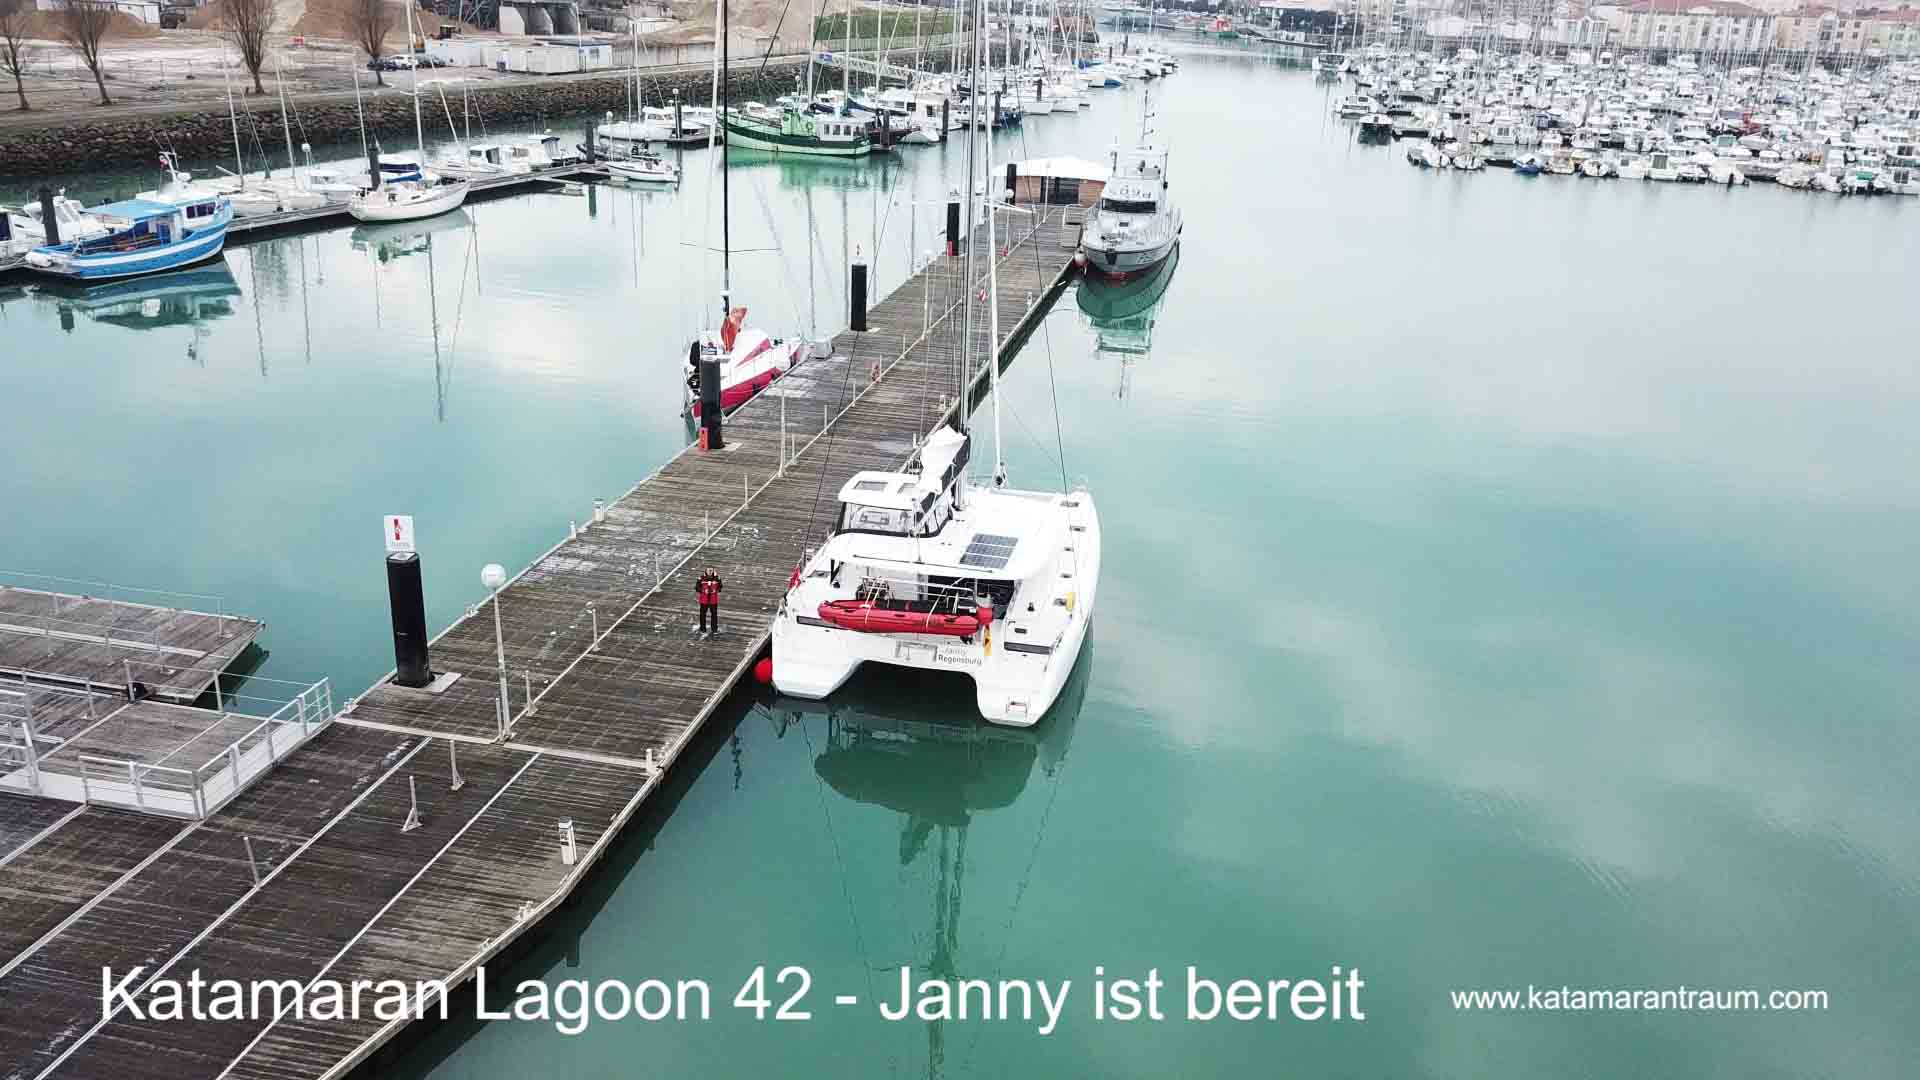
point(858, 292)
point(1013, 174)
point(710, 403)
point(409, 607)
point(592, 151)
point(946, 105)
point(953, 227)
point(373, 168)
point(48, 219)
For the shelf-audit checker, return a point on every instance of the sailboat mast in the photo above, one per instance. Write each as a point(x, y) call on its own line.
point(419, 130)
point(233, 117)
point(726, 220)
point(964, 408)
point(993, 303)
point(286, 128)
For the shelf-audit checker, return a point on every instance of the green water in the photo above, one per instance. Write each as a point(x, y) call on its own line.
point(1507, 582)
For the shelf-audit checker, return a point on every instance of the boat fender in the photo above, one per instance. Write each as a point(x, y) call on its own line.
point(763, 670)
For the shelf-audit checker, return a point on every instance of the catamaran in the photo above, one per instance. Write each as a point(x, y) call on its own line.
point(926, 569)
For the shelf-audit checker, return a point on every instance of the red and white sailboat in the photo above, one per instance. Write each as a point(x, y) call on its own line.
point(749, 361)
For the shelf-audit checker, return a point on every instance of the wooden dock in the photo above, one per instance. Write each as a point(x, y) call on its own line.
point(109, 637)
point(313, 872)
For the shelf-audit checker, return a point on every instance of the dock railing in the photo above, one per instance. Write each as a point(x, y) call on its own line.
point(52, 600)
point(184, 790)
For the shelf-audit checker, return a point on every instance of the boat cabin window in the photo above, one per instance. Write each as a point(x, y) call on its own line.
point(857, 518)
point(1127, 206)
point(199, 210)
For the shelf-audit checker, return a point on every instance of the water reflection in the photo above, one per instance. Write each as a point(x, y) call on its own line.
point(897, 741)
point(1122, 315)
point(182, 298)
point(399, 239)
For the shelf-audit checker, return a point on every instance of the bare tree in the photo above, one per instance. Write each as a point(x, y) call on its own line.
point(84, 26)
point(15, 51)
point(371, 19)
point(245, 23)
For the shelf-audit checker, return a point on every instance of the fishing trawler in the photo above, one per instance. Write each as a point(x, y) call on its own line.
point(795, 131)
point(143, 236)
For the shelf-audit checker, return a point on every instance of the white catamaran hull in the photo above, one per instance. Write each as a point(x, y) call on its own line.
point(1015, 680)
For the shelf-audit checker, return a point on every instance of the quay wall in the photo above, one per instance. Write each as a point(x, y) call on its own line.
point(71, 143)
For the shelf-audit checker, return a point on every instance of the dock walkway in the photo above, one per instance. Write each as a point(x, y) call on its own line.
point(109, 636)
point(411, 838)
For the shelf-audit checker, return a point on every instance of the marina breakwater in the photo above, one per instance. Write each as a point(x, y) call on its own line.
point(63, 144)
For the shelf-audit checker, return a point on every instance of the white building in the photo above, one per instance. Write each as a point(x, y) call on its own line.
point(147, 11)
point(1704, 26)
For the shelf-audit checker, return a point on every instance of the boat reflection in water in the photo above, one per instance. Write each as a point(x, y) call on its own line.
point(930, 759)
point(179, 298)
point(394, 240)
point(399, 239)
point(1122, 313)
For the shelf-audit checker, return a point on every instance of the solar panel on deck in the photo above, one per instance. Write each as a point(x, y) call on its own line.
point(988, 551)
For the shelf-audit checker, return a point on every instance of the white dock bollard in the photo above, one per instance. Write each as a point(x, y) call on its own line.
point(599, 511)
point(569, 853)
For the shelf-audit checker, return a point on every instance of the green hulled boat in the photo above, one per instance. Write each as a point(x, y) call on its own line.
point(796, 132)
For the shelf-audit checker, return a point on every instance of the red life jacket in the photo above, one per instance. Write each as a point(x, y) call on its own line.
point(708, 590)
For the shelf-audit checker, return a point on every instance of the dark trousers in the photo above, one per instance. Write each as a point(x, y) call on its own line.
point(710, 617)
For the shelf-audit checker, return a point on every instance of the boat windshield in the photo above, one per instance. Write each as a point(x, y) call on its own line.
point(1127, 206)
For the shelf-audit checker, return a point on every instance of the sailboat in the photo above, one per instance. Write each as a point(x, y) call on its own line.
point(750, 359)
point(925, 568)
point(414, 194)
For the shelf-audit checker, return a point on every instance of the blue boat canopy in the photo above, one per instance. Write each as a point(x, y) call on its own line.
point(135, 209)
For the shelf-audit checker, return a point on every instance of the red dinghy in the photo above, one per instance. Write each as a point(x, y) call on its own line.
point(868, 617)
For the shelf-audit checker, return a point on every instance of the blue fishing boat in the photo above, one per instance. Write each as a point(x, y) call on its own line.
point(144, 236)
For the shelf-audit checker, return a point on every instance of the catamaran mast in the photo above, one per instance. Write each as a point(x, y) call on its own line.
point(726, 221)
point(964, 406)
point(993, 299)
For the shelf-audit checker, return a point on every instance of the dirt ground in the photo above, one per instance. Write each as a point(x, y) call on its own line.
point(148, 69)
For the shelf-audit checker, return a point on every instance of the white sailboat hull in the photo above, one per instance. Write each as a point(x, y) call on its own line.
point(392, 202)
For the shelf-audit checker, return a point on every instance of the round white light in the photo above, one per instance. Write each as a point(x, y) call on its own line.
point(493, 575)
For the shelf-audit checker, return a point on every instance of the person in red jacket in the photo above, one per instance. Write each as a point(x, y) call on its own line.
point(707, 592)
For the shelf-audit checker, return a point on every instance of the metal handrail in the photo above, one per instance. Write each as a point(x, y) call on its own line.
point(108, 632)
point(114, 593)
point(311, 708)
point(108, 585)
